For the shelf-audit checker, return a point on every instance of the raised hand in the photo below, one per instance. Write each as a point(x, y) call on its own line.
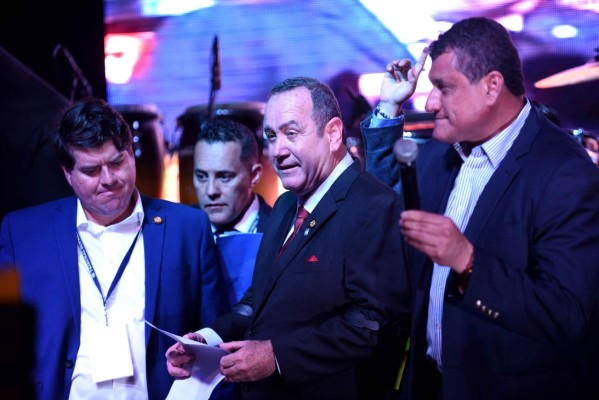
point(399, 83)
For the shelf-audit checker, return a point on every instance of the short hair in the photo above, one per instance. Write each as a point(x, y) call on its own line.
point(227, 130)
point(89, 124)
point(324, 103)
point(482, 45)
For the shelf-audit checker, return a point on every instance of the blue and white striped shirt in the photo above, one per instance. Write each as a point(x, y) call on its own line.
point(474, 175)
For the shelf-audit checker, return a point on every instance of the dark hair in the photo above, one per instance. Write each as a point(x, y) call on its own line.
point(88, 124)
point(482, 45)
point(324, 103)
point(227, 130)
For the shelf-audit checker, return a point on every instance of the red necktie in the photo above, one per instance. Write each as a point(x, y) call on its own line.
point(302, 214)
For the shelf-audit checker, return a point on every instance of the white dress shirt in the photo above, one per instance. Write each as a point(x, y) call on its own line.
point(106, 248)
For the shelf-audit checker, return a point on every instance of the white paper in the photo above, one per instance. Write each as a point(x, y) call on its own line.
point(110, 355)
point(205, 374)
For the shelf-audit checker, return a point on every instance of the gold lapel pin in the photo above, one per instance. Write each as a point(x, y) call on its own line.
point(157, 220)
point(312, 223)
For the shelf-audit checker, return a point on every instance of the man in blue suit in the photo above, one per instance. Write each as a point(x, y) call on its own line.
point(226, 170)
point(507, 239)
point(95, 266)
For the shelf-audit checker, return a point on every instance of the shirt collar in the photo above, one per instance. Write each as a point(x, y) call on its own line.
point(247, 221)
point(134, 219)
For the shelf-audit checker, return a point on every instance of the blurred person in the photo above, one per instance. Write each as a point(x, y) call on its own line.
point(310, 326)
point(96, 265)
point(590, 142)
point(226, 172)
point(506, 261)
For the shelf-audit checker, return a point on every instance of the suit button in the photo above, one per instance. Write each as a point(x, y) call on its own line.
point(68, 364)
point(252, 332)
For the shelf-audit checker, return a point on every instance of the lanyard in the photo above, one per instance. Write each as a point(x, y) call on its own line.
point(118, 275)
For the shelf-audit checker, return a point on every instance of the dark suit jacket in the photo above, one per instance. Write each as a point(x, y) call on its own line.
point(344, 268)
point(526, 327)
point(263, 213)
point(183, 284)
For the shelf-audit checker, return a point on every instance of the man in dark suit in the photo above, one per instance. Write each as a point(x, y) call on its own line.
point(310, 325)
point(506, 262)
point(96, 265)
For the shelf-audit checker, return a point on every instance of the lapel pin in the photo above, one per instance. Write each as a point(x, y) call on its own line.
point(157, 220)
point(312, 223)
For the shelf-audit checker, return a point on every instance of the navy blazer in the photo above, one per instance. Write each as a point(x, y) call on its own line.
point(526, 327)
point(183, 284)
point(263, 213)
point(342, 272)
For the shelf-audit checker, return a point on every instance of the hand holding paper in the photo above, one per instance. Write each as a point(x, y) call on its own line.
point(204, 369)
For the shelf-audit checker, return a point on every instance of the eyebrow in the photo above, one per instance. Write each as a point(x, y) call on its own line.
point(283, 126)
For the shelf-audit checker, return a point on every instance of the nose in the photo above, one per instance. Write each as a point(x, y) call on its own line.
point(433, 102)
point(277, 148)
point(212, 188)
point(107, 177)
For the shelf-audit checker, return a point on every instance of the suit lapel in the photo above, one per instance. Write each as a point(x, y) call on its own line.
point(325, 208)
point(154, 226)
point(65, 223)
point(502, 177)
point(263, 213)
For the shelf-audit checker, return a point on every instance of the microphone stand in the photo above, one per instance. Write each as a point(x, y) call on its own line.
point(215, 77)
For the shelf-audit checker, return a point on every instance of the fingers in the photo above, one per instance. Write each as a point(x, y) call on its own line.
point(177, 361)
point(437, 236)
point(232, 346)
point(399, 69)
point(402, 70)
point(195, 336)
point(254, 360)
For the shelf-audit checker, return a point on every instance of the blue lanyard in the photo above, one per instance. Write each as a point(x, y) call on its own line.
point(118, 275)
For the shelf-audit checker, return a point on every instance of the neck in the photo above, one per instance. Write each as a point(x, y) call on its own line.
point(111, 220)
point(231, 225)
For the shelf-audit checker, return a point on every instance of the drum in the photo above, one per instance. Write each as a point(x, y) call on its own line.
point(146, 123)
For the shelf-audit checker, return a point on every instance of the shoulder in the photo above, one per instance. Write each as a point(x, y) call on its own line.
point(155, 206)
point(264, 207)
point(45, 209)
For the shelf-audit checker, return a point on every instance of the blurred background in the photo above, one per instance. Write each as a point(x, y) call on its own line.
point(167, 64)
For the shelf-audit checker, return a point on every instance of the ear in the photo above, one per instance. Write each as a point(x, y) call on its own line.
point(493, 85)
point(67, 174)
point(334, 132)
point(256, 174)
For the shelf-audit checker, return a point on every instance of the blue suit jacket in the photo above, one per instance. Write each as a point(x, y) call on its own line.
point(344, 267)
point(183, 284)
point(526, 327)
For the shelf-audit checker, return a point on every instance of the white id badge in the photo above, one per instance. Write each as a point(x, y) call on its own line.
point(110, 354)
